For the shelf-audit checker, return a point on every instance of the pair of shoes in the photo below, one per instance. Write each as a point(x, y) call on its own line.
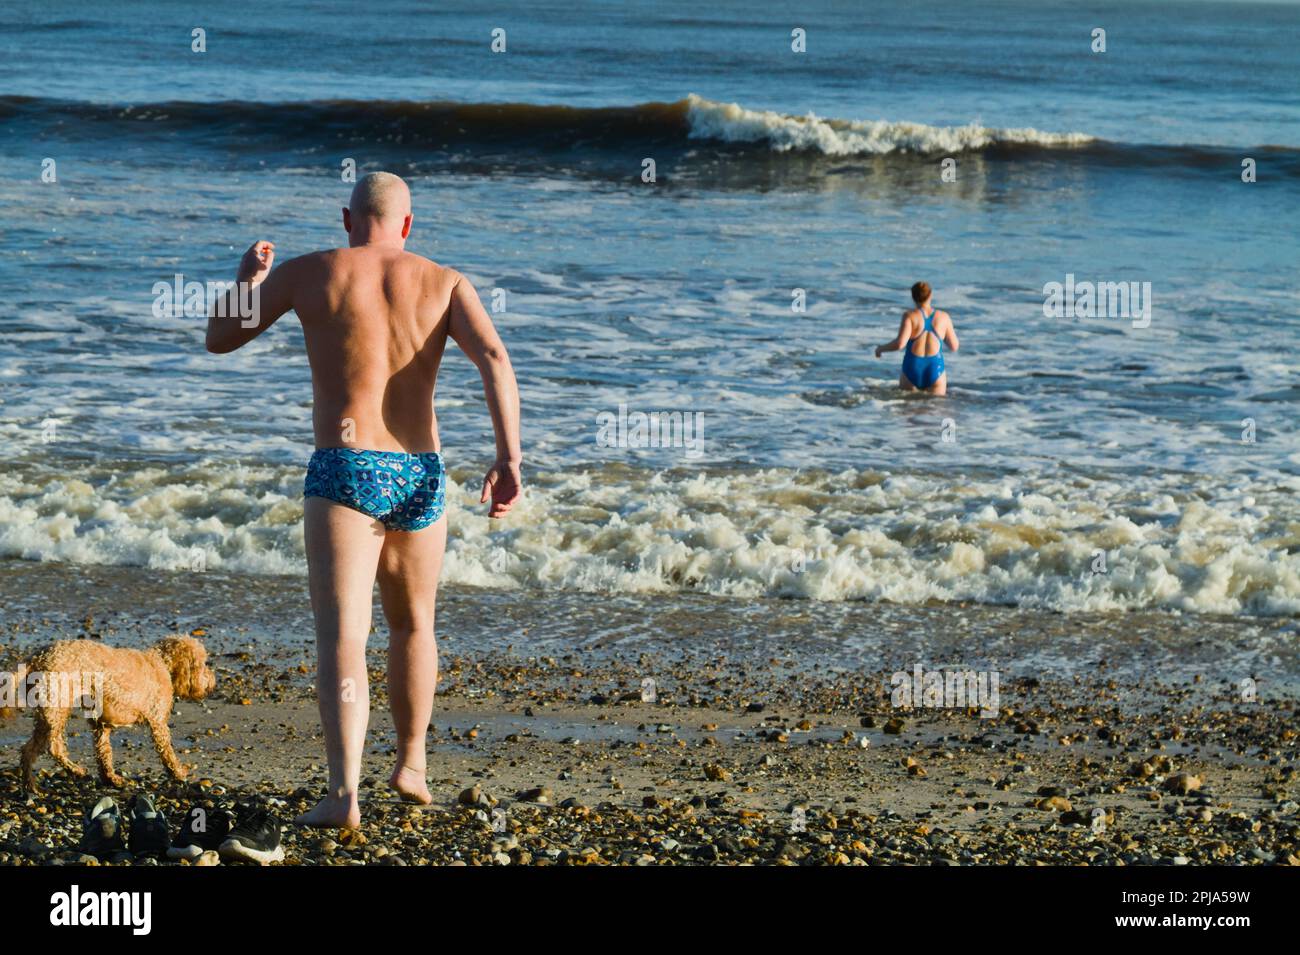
point(102, 835)
point(250, 834)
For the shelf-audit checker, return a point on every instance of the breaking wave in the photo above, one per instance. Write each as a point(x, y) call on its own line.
point(1067, 544)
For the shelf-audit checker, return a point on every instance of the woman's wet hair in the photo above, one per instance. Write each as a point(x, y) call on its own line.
point(920, 292)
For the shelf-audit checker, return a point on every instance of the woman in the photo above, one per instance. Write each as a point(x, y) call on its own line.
point(924, 330)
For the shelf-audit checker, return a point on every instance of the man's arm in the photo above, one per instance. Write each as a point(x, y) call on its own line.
point(899, 340)
point(471, 328)
point(258, 298)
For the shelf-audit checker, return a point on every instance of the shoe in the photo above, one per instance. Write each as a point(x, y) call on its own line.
point(101, 832)
point(255, 838)
point(149, 833)
point(203, 829)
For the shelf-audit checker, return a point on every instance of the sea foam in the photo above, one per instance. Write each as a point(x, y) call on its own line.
point(1067, 545)
point(731, 122)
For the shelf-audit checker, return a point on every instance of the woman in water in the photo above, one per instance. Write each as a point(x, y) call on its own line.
point(924, 331)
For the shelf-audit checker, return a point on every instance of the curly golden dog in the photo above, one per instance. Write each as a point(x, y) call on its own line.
point(131, 687)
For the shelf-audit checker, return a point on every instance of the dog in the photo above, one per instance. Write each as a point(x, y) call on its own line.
point(130, 687)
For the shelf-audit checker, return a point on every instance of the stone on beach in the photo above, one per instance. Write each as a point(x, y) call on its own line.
point(1182, 783)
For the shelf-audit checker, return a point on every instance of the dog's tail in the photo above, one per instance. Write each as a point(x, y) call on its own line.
point(10, 684)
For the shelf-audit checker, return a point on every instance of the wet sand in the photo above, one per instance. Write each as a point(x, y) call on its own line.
point(771, 740)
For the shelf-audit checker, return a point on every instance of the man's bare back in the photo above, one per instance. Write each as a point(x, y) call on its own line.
point(375, 321)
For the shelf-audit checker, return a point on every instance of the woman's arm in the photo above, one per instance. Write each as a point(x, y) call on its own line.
point(901, 339)
point(950, 337)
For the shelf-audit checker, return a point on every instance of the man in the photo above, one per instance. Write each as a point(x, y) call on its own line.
point(376, 319)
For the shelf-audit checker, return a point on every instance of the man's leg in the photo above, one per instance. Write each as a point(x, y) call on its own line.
point(408, 586)
point(343, 548)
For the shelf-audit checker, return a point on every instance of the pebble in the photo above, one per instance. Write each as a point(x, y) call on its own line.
point(1182, 783)
point(31, 846)
point(353, 838)
point(1055, 804)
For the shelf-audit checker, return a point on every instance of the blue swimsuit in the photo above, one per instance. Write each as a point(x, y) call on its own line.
point(405, 491)
point(922, 371)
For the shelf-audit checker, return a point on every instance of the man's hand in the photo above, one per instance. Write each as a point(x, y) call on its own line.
point(504, 484)
point(231, 325)
point(256, 263)
point(879, 351)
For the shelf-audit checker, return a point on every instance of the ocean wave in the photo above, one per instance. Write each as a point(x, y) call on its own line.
point(1054, 543)
point(732, 123)
point(689, 134)
point(465, 124)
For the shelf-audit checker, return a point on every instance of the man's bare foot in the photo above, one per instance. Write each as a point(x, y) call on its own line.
point(410, 785)
point(332, 812)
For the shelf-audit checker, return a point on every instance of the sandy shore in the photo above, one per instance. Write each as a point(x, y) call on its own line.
point(555, 758)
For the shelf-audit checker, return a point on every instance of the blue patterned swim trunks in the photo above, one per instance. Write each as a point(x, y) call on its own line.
point(407, 492)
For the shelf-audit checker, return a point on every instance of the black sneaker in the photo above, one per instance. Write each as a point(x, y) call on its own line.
point(101, 832)
point(149, 834)
point(203, 829)
point(255, 838)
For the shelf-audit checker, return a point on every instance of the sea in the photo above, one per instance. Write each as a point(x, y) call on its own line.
point(692, 226)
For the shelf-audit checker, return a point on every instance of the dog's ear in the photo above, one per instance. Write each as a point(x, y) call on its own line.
point(184, 658)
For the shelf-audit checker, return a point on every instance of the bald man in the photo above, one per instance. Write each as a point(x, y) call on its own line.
point(376, 320)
